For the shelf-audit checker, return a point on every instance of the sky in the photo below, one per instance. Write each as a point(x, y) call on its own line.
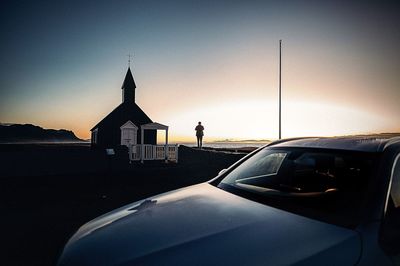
point(63, 64)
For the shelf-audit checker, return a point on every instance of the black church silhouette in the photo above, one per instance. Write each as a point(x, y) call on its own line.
point(121, 126)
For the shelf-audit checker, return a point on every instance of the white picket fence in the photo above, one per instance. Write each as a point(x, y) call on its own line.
point(149, 152)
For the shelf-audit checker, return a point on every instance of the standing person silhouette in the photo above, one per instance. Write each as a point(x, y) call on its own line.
point(199, 134)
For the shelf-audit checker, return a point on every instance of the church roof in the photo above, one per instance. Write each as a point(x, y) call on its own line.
point(124, 112)
point(129, 82)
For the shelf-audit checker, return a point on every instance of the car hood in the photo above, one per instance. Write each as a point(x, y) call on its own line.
point(202, 225)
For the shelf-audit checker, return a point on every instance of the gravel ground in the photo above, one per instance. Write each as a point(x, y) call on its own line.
point(48, 191)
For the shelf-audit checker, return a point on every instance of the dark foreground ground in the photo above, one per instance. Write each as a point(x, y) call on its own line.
point(48, 192)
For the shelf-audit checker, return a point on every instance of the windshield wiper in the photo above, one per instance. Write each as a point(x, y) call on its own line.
point(277, 192)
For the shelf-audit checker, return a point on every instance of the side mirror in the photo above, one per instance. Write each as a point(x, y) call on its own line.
point(222, 171)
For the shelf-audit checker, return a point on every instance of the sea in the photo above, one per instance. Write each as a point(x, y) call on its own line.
point(227, 145)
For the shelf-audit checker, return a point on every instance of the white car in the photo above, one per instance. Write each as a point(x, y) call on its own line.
point(309, 201)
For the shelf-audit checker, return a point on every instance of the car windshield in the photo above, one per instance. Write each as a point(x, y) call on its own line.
point(327, 185)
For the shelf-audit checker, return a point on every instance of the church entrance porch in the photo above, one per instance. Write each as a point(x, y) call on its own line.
point(128, 134)
point(144, 152)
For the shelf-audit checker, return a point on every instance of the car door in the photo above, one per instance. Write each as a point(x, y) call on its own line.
point(390, 230)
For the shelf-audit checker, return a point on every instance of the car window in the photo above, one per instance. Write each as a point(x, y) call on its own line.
point(323, 184)
point(263, 164)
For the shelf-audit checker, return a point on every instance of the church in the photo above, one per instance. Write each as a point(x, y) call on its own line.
point(122, 125)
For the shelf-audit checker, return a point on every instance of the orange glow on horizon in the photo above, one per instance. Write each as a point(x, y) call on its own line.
point(257, 120)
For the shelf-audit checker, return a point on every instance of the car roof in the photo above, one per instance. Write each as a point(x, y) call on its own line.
point(364, 143)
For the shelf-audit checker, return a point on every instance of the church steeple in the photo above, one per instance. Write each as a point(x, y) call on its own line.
point(128, 87)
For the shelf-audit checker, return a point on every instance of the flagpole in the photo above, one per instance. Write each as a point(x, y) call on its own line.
point(280, 89)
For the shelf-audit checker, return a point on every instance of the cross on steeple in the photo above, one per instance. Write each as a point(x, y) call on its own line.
point(129, 60)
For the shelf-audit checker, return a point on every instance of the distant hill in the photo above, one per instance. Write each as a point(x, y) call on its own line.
point(32, 133)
